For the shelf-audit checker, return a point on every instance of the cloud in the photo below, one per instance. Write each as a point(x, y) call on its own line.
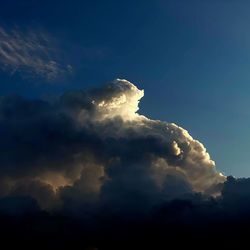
point(92, 147)
point(92, 170)
point(30, 53)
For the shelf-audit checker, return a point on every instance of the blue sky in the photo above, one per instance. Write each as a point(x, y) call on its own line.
point(191, 58)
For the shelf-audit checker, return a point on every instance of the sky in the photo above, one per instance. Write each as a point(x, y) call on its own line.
point(125, 122)
point(191, 59)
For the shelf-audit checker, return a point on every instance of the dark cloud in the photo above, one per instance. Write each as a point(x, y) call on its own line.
point(18, 206)
point(87, 161)
point(94, 144)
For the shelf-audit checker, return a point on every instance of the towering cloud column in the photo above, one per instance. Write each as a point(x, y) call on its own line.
point(92, 147)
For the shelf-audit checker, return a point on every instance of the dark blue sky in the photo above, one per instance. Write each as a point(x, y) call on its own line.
point(191, 58)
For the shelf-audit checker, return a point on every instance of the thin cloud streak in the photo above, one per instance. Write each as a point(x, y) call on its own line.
point(31, 54)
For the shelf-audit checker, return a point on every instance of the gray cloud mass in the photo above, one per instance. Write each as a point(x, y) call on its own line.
point(92, 148)
point(86, 169)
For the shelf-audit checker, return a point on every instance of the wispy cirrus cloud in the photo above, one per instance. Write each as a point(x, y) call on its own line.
point(30, 53)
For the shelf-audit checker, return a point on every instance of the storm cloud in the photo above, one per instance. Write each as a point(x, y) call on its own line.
point(87, 164)
point(93, 147)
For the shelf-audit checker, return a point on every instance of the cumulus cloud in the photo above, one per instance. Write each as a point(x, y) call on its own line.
point(89, 167)
point(92, 147)
point(30, 53)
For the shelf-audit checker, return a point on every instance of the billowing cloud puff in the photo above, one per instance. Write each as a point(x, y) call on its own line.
point(92, 170)
point(118, 98)
point(92, 147)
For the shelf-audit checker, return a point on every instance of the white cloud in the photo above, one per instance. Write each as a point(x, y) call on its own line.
point(30, 53)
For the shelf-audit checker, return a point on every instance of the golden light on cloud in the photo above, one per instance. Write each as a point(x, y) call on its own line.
point(56, 180)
